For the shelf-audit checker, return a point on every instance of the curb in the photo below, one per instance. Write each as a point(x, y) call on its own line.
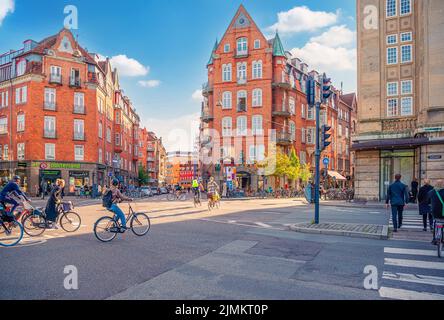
point(352, 234)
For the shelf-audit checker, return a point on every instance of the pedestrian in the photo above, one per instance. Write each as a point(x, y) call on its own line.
point(37, 190)
point(436, 197)
point(99, 190)
point(414, 190)
point(425, 209)
point(397, 197)
point(44, 186)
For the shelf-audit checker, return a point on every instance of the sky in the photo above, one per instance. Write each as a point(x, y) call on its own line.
point(161, 47)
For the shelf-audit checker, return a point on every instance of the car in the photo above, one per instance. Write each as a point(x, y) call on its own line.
point(146, 191)
point(163, 191)
point(155, 191)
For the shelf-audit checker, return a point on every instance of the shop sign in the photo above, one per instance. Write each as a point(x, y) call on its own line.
point(22, 164)
point(56, 165)
point(435, 157)
point(50, 173)
point(79, 175)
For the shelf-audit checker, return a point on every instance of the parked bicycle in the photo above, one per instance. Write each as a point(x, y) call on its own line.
point(439, 236)
point(107, 228)
point(174, 196)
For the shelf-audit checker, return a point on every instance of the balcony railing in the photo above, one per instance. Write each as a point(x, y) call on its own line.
point(79, 109)
point(207, 116)
point(281, 84)
point(51, 106)
point(55, 78)
point(74, 82)
point(281, 111)
point(284, 138)
point(206, 89)
point(49, 134)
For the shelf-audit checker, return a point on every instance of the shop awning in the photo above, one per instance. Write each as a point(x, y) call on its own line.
point(336, 175)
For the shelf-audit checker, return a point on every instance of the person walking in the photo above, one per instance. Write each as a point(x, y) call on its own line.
point(397, 197)
point(414, 190)
point(425, 209)
point(44, 186)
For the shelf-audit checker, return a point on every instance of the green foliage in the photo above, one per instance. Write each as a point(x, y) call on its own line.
point(144, 178)
point(291, 167)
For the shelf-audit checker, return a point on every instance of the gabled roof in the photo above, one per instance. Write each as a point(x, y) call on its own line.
point(278, 48)
point(349, 99)
point(212, 53)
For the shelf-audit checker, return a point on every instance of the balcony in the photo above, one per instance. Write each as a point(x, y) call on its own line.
point(207, 116)
point(281, 84)
point(50, 106)
point(280, 111)
point(55, 79)
point(74, 82)
point(79, 109)
point(207, 89)
point(284, 138)
point(48, 134)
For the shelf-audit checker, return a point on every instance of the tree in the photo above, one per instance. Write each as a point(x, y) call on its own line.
point(144, 178)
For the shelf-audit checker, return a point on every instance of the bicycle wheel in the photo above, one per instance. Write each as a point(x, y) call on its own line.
point(34, 225)
point(171, 197)
point(70, 221)
point(11, 237)
point(105, 229)
point(140, 224)
point(183, 197)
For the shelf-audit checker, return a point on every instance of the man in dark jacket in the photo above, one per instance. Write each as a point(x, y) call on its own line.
point(424, 204)
point(397, 196)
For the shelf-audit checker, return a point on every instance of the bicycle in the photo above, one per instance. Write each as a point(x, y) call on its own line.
point(176, 196)
point(214, 202)
point(107, 228)
point(11, 231)
point(196, 199)
point(439, 235)
point(36, 223)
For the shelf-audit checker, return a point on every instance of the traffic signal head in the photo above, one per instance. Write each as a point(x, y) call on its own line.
point(326, 88)
point(325, 136)
point(311, 91)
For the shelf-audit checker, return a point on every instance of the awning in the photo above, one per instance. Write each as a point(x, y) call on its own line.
point(336, 175)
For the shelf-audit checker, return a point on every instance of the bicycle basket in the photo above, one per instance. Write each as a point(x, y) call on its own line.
point(67, 206)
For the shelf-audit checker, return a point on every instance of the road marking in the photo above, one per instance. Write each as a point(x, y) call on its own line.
point(414, 278)
point(400, 294)
point(428, 253)
point(414, 264)
point(260, 224)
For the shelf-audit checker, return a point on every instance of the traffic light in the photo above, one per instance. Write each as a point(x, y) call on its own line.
point(326, 88)
point(311, 91)
point(325, 136)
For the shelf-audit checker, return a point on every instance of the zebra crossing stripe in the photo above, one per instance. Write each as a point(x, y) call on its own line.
point(414, 278)
point(428, 253)
point(401, 294)
point(414, 264)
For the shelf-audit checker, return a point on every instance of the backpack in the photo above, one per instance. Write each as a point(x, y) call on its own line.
point(442, 202)
point(107, 199)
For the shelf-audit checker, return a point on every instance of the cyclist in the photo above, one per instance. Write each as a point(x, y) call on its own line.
point(117, 197)
point(12, 188)
point(177, 189)
point(212, 189)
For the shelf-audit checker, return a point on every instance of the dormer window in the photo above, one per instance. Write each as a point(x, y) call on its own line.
point(242, 46)
point(227, 48)
point(21, 68)
point(257, 44)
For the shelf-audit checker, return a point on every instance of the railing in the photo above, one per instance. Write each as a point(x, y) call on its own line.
point(55, 78)
point(75, 82)
point(207, 116)
point(79, 109)
point(279, 110)
point(283, 138)
point(51, 106)
point(207, 88)
point(399, 125)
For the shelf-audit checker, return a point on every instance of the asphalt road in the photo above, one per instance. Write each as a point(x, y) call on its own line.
point(243, 251)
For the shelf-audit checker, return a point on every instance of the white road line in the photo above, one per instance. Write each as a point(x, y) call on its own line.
point(414, 264)
point(414, 278)
point(410, 227)
point(260, 224)
point(428, 253)
point(400, 294)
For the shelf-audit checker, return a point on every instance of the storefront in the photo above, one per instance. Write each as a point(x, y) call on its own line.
point(77, 179)
point(49, 176)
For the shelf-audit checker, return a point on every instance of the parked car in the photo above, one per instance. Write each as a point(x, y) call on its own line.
point(146, 191)
point(155, 191)
point(163, 191)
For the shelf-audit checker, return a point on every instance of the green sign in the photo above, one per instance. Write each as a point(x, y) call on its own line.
point(57, 165)
point(22, 164)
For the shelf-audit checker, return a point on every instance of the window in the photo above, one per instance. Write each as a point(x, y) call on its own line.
point(392, 55)
point(21, 95)
point(108, 134)
point(227, 99)
point(310, 135)
point(323, 117)
point(407, 106)
point(303, 111)
point(79, 129)
point(242, 46)
point(118, 139)
point(406, 7)
point(226, 72)
point(50, 127)
point(49, 151)
point(50, 99)
point(21, 68)
point(242, 126)
point(227, 126)
point(3, 125)
point(340, 130)
point(100, 105)
point(242, 101)
point(406, 53)
point(310, 113)
point(100, 155)
point(227, 47)
point(4, 99)
point(100, 130)
point(257, 98)
point(20, 151)
point(257, 125)
point(406, 37)
point(392, 107)
point(347, 132)
point(392, 89)
point(407, 87)
point(79, 153)
point(56, 74)
point(292, 127)
point(391, 8)
point(257, 69)
point(392, 39)
point(241, 72)
point(6, 153)
point(20, 122)
point(292, 105)
point(257, 44)
point(256, 153)
point(303, 135)
point(303, 157)
point(117, 117)
point(79, 102)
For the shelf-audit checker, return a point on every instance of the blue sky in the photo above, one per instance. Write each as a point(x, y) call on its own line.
point(169, 43)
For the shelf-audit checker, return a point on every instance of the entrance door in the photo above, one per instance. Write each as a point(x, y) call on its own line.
point(392, 163)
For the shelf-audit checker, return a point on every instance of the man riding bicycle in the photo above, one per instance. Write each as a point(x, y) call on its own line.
point(117, 197)
point(11, 189)
point(197, 187)
point(213, 188)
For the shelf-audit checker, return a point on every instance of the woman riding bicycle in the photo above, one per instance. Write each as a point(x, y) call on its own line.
point(118, 197)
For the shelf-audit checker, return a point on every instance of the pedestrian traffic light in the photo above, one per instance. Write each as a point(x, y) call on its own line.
point(326, 88)
point(311, 91)
point(325, 136)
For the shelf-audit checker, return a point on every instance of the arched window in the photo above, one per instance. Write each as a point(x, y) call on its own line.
point(242, 101)
point(257, 98)
point(242, 126)
point(242, 72)
point(227, 100)
point(292, 127)
point(257, 69)
point(242, 46)
point(227, 127)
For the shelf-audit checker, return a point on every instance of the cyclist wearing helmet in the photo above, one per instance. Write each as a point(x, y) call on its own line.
point(118, 197)
point(12, 188)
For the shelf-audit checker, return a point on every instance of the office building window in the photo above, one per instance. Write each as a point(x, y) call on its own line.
point(391, 8)
point(407, 106)
point(407, 87)
point(406, 53)
point(392, 55)
point(406, 7)
point(392, 107)
point(392, 89)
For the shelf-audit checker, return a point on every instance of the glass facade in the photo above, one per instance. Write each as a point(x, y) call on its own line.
point(392, 163)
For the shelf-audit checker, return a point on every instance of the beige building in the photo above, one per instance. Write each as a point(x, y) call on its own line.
point(401, 93)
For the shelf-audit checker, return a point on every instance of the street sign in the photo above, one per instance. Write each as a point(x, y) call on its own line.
point(326, 161)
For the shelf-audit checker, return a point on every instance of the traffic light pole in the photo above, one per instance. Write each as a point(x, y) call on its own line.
point(318, 162)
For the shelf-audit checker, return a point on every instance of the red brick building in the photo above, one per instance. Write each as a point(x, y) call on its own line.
point(59, 115)
point(254, 104)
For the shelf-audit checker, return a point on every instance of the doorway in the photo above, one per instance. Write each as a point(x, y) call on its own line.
point(392, 163)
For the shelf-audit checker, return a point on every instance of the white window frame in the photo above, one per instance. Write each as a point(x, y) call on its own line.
point(227, 100)
point(241, 126)
point(79, 129)
point(257, 69)
point(50, 98)
point(21, 122)
point(257, 125)
point(50, 151)
point(227, 127)
point(400, 8)
point(395, 2)
point(302, 111)
point(310, 113)
point(79, 102)
point(21, 67)
point(389, 37)
point(21, 151)
point(395, 93)
point(227, 72)
point(241, 73)
point(21, 95)
point(395, 112)
point(303, 135)
point(4, 99)
point(242, 46)
point(402, 55)
point(404, 99)
point(292, 130)
point(227, 48)
point(310, 136)
point(406, 33)
point(292, 105)
point(242, 94)
point(100, 127)
point(79, 156)
point(257, 97)
point(49, 123)
point(402, 87)
point(389, 49)
point(257, 44)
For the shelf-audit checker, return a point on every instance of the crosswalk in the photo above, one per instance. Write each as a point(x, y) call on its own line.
point(411, 221)
point(412, 274)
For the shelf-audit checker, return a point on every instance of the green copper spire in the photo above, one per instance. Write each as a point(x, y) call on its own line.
point(278, 48)
point(212, 53)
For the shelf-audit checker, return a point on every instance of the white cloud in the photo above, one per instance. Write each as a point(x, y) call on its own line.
point(149, 83)
point(6, 7)
point(129, 67)
point(301, 19)
point(178, 133)
point(336, 36)
point(197, 95)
